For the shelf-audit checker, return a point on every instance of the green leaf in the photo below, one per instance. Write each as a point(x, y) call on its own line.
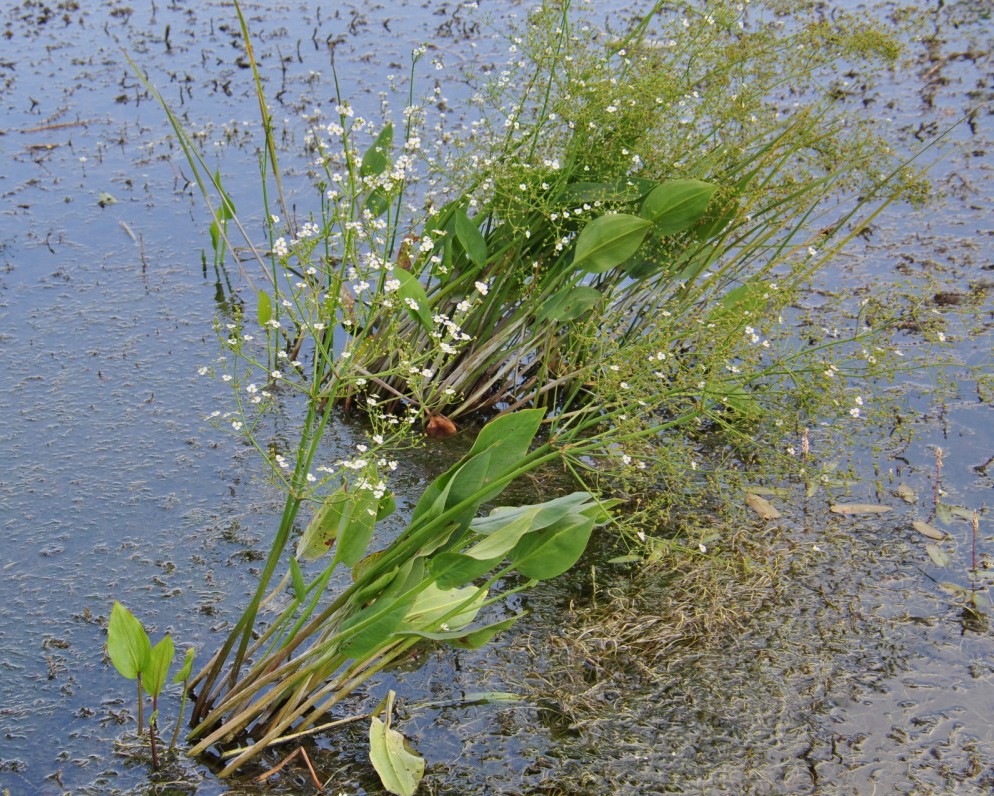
point(187, 668)
point(373, 626)
point(265, 309)
point(377, 202)
point(608, 241)
point(677, 205)
point(297, 577)
point(374, 161)
point(629, 189)
point(324, 527)
point(506, 440)
point(400, 768)
point(569, 304)
point(434, 605)
point(465, 639)
point(411, 288)
point(551, 552)
point(470, 238)
point(357, 531)
point(160, 660)
point(127, 642)
point(226, 208)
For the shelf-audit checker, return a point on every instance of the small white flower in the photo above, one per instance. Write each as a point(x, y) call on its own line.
point(482, 288)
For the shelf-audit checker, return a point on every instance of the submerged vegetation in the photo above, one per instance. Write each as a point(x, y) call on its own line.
point(605, 258)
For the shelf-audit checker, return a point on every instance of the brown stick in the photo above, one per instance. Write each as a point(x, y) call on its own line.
point(279, 767)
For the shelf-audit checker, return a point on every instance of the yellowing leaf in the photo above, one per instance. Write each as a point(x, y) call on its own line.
point(938, 555)
point(858, 508)
point(762, 506)
point(399, 767)
point(927, 530)
point(906, 493)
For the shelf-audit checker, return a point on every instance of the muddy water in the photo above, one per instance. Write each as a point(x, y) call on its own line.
point(863, 675)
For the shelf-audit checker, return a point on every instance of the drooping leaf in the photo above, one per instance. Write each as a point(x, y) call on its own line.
point(677, 205)
point(187, 668)
point(400, 769)
point(470, 238)
point(608, 241)
point(858, 508)
point(375, 159)
point(467, 638)
point(434, 604)
point(762, 506)
point(569, 304)
point(355, 535)
point(160, 659)
point(127, 643)
point(551, 551)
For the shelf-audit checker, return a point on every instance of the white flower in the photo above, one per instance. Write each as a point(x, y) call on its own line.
point(482, 288)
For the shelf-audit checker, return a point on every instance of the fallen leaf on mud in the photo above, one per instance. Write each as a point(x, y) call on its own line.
point(761, 506)
point(927, 530)
point(858, 508)
point(906, 493)
point(938, 555)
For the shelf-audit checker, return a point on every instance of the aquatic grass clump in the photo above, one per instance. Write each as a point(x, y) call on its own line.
point(604, 259)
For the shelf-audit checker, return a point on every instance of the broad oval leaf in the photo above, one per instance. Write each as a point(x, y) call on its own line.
point(411, 290)
point(927, 530)
point(127, 643)
point(160, 659)
point(762, 507)
point(570, 304)
point(470, 238)
point(677, 205)
point(608, 241)
point(265, 309)
point(399, 767)
point(375, 160)
point(550, 552)
point(435, 605)
point(939, 556)
point(324, 527)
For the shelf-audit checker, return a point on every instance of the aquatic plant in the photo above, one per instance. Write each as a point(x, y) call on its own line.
point(135, 658)
point(610, 258)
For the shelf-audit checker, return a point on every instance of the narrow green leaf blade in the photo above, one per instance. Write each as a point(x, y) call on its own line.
point(160, 660)
point(187, 668)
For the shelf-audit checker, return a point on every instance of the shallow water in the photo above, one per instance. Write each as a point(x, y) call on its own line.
point(859, 676)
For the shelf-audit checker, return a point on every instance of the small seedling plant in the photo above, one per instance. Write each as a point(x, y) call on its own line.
point(133, 655)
